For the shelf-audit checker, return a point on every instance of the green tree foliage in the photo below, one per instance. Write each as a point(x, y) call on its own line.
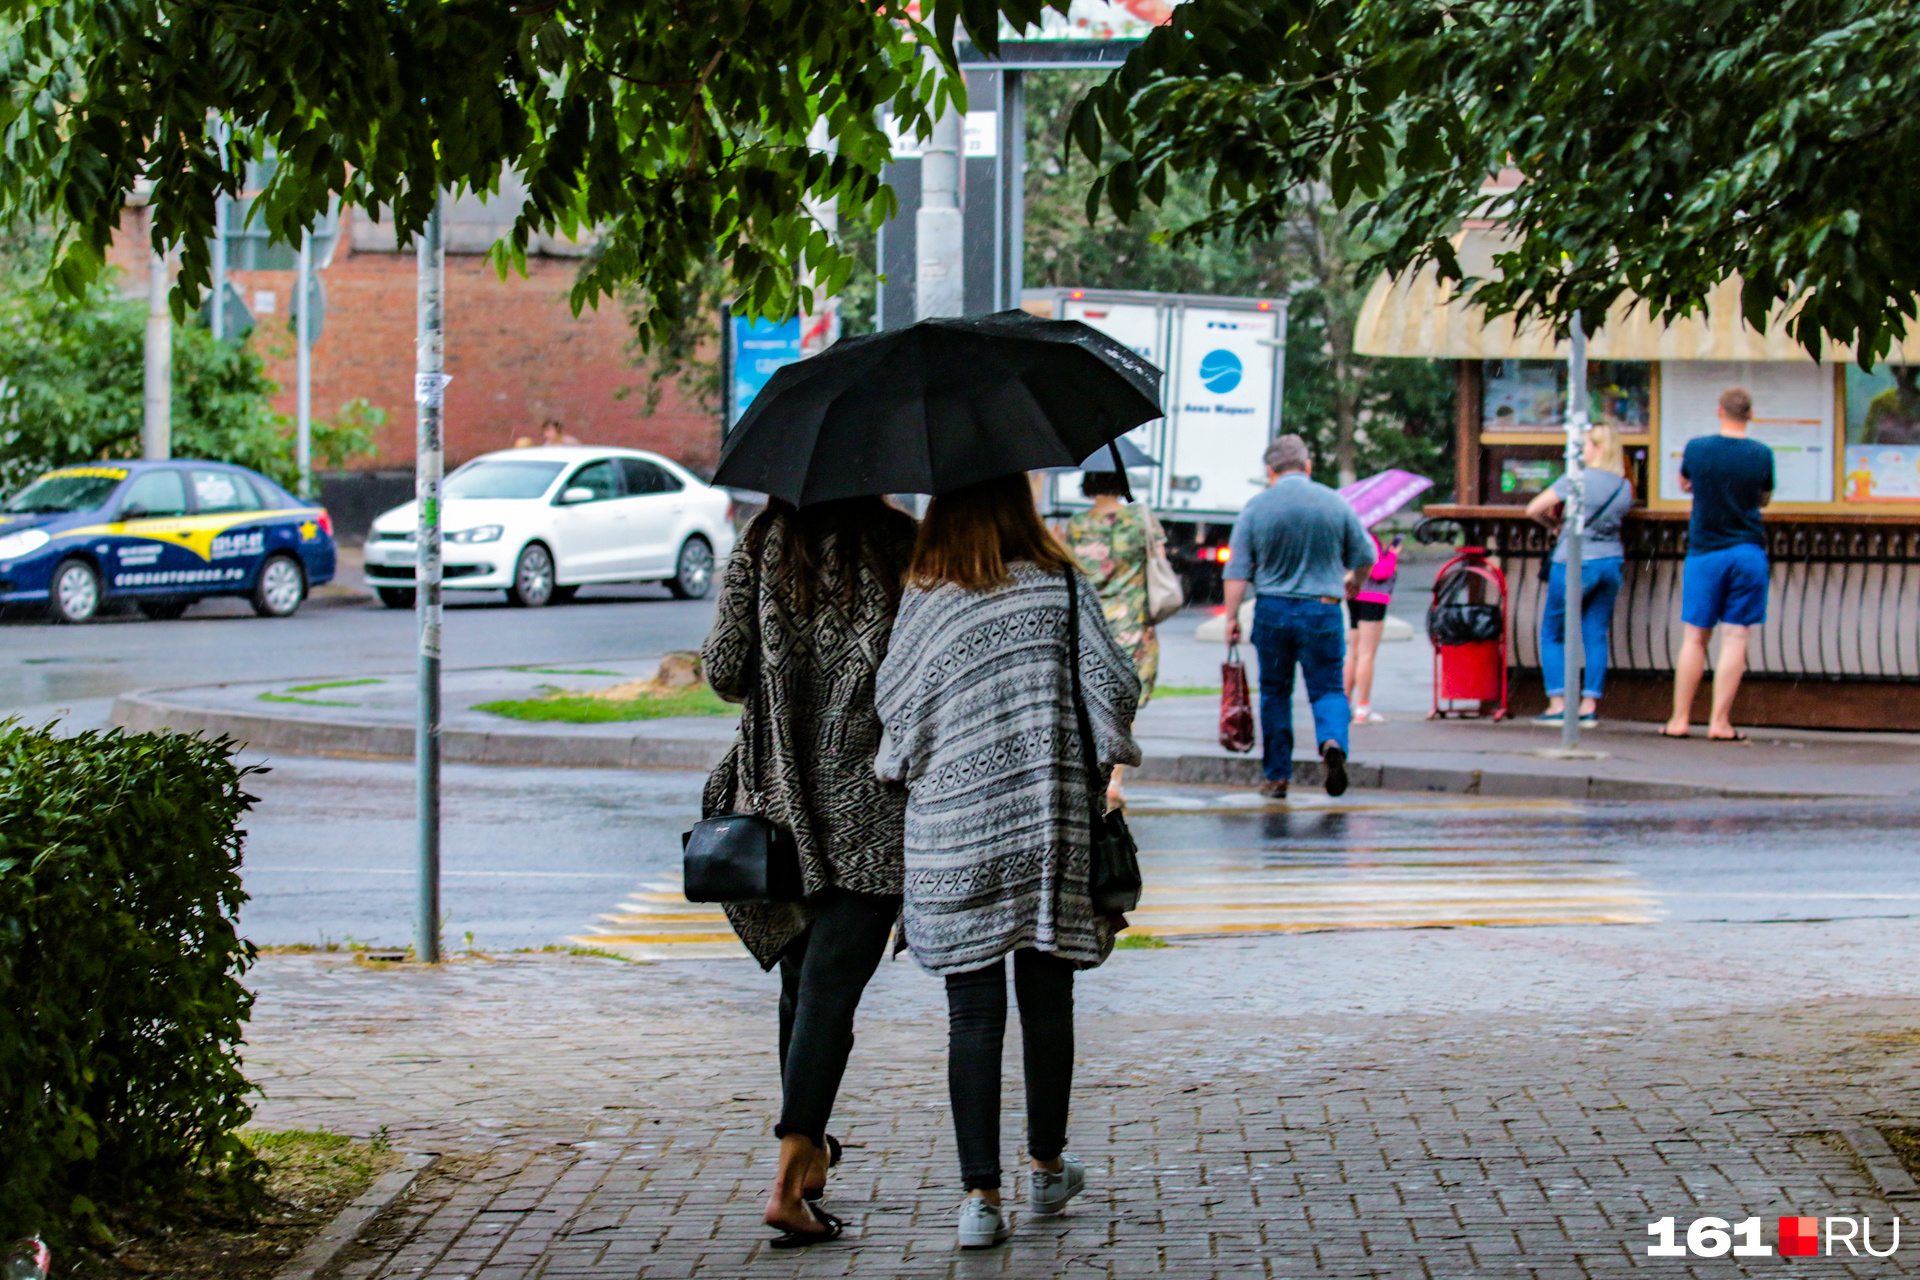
point(674, 133)
point(121, 1006)
point(74, 384)
point(1359, 414)
point(1666, 146)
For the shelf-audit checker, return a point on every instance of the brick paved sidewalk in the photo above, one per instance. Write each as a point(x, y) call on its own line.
point(1425, 1103)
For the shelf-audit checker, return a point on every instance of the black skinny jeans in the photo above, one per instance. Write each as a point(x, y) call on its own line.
point(822, 975)
point(976, 1030)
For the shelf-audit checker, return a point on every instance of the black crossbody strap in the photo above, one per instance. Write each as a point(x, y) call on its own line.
point(1089, 759)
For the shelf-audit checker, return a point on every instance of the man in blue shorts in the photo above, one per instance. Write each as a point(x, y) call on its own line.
point(1725, 584)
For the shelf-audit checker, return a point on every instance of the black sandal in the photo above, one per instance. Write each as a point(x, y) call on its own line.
point(812, 1194)
point(801, 1239)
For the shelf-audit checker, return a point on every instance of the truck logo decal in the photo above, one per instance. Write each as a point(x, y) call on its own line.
point(1220, 371)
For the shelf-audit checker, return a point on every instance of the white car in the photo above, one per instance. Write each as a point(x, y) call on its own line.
point(541, 523)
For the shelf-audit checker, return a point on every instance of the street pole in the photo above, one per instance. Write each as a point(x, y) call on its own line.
point(1576, 515)
point(221, 203)
point(940, 282)
point(303, 340)
point(429, 390)
point(156, 425)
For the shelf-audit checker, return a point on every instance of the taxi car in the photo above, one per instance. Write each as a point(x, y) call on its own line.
point(541, 523)
point(163, 534)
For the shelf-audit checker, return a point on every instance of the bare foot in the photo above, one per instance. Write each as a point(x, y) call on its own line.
point(817, 1174)
point(796, 1217)
point(1676, 729)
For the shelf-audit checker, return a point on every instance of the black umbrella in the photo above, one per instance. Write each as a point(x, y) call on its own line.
point(1131, 456)
point(937, 406)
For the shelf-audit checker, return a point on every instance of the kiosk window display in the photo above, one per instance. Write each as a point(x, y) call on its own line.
point(1882, 458)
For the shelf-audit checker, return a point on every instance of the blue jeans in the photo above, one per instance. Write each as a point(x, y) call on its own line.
point(1286, 630)
point(1600, 580)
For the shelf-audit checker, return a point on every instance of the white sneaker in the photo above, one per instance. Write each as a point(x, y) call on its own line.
point(1367, 715)
point(982, 1225)
point(1048, 1193)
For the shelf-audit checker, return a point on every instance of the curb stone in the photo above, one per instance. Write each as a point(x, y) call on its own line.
point(150, 710)
point(352, 1220)
point(1881, 1163)
point(147, 711)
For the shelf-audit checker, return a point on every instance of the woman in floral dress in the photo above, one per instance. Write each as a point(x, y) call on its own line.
point(1111, 541)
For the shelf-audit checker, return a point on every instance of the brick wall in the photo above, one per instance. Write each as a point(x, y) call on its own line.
point(515, 351)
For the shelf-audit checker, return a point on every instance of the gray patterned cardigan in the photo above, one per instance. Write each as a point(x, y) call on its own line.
point(804, 754)
point(977, 704)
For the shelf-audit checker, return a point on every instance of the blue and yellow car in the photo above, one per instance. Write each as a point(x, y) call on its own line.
point(163, 534)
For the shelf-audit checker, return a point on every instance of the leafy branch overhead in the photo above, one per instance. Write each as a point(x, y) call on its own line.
point(1665, 147)
point(673, 132)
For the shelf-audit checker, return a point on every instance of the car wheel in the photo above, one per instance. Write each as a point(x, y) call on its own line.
point(75, 592)
point(532, 578)
point(280, 588)
point(396, 597)
point(693, 571)
point(164, 610)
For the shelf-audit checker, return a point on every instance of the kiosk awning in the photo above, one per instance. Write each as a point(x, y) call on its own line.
point(1418, 315)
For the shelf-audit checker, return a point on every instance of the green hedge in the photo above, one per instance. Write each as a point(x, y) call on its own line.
point(121, 1007)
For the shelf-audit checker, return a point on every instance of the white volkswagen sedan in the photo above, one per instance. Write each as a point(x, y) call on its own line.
point(541, 523)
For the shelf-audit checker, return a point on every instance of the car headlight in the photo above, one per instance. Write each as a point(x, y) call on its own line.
point(23, 543)
point(484, 533)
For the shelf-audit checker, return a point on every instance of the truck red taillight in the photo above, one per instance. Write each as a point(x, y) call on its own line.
point(326, 522)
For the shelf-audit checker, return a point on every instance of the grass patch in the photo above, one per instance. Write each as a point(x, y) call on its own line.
point(562, 671)
point(310, 1177)
point(1906, 1145)
point(295, 689)
point(594, 952)
point(332, 684)
point(1186, 691)
point(1140, 942)
point(579, 708)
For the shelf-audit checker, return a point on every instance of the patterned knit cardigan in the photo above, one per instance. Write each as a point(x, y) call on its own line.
point(978, 708)
point(804, 754)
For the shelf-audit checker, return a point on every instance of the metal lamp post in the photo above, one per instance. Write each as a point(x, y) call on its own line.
point(429, 391)
point(1576, 513)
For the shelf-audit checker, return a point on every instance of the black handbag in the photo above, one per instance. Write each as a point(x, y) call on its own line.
point(1113, 870)
point(741, 857)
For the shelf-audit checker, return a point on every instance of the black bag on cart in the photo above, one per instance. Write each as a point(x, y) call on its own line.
point(1454, 619)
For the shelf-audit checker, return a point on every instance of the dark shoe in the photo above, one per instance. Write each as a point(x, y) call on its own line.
point(1336, 762)
point(1274, 788)
point(831, 1228)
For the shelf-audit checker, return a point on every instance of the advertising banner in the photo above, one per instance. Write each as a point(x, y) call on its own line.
point(754, 350)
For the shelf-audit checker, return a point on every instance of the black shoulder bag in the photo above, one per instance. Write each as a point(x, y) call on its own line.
point(743, 857)
point(1113, 870)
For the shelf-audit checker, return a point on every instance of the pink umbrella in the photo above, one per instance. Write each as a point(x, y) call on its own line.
point(1378, 497)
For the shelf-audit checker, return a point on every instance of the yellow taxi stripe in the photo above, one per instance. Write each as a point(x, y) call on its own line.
point(191, 533)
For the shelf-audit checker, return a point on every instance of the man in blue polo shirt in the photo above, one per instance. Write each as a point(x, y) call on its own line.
point(1299, 544)
point(1725, 583)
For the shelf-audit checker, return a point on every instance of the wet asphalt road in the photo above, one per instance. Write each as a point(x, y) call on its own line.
point(44, 667)
point(535, 857)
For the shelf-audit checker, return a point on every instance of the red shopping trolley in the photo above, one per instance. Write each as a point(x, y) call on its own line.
point(1469, 634)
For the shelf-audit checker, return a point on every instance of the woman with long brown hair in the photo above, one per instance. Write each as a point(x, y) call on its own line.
point(978, 703)
point(806, 608)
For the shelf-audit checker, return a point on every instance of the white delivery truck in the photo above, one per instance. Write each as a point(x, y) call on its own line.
point(1224, 360)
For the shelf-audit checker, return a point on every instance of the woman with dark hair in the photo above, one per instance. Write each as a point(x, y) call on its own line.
point(978, 703)
point(806, 609)
point(1111, 543)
